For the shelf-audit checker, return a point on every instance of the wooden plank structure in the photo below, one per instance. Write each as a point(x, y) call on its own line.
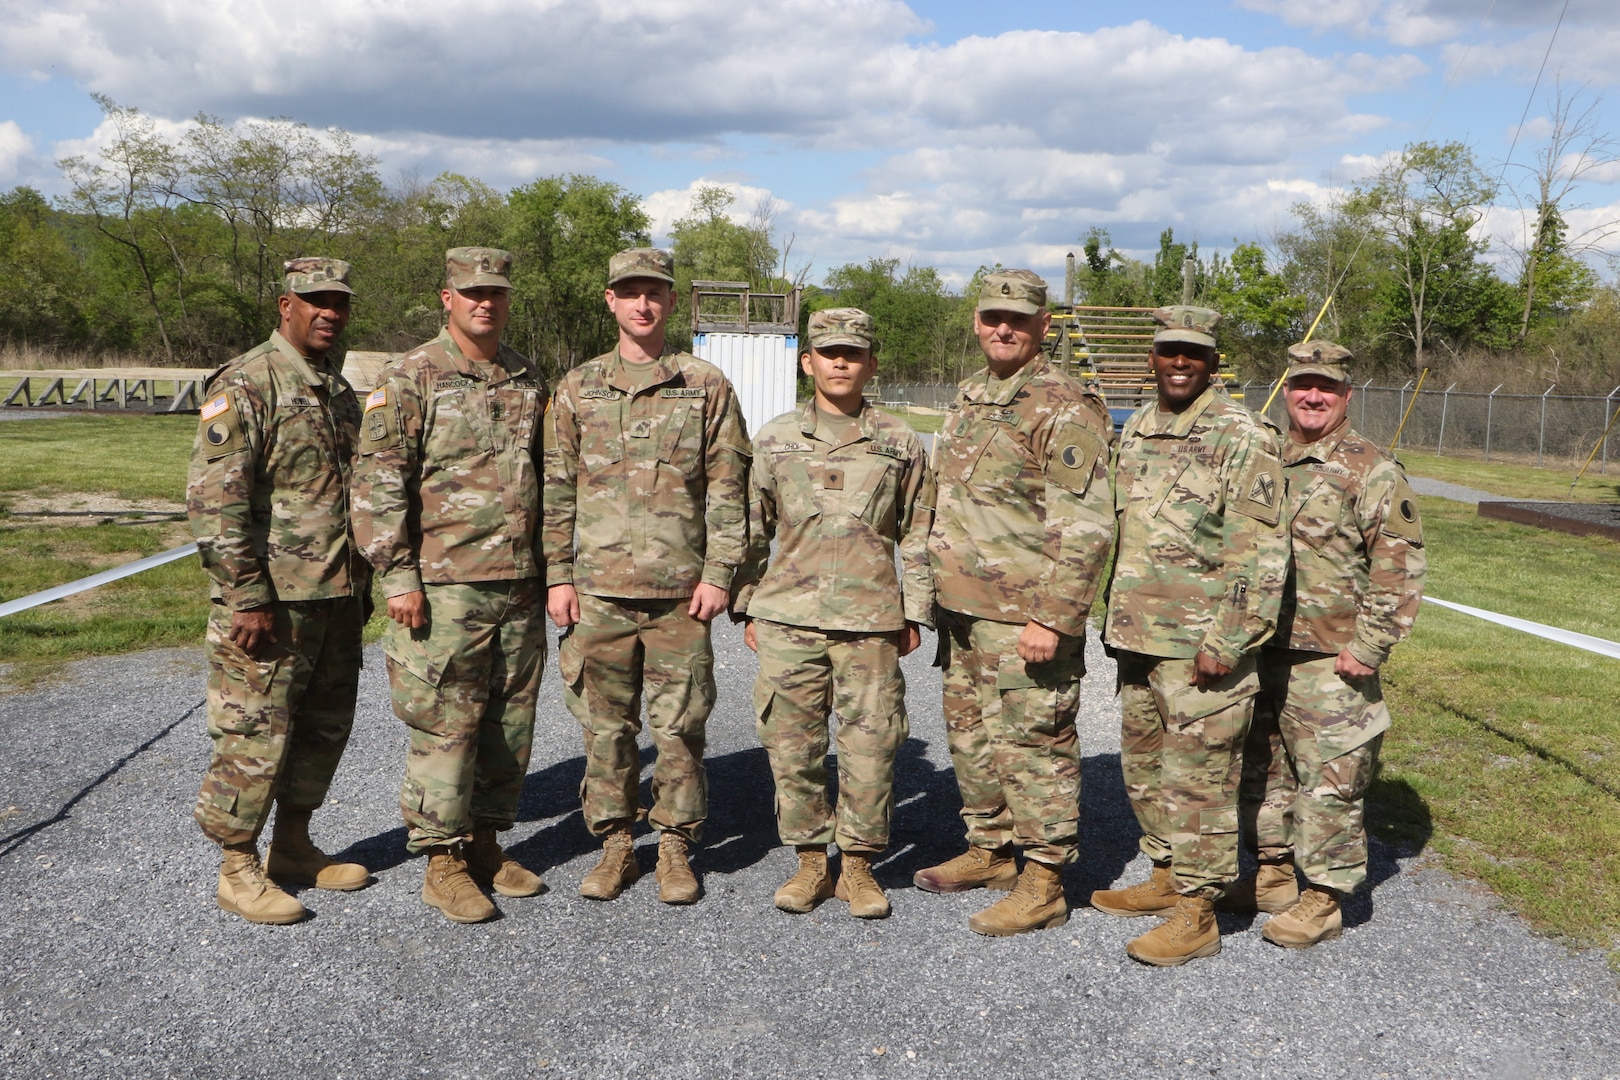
point(732, 307)
point(1107, 346)
point(107, 388)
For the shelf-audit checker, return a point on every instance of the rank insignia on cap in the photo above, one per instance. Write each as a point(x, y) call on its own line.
point(216, 406)
point(376, 398)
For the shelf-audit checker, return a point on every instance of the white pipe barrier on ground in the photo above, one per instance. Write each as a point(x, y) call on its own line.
point(1552, 633)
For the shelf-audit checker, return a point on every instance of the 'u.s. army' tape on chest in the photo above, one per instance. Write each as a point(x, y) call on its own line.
point(1601, 646)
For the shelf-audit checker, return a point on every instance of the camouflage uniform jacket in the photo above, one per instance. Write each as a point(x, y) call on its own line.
point(836, 513)
point(1022, 524)
point(268, 488)
point(646, 479)
point(1201, 557)
point(1358, 549)
point(448, 485)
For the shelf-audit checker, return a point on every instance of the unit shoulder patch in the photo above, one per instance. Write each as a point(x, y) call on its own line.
point(220, 427)
point(1075, 449)
point(1404, 521)
point(1260, 489)
point(380, 429)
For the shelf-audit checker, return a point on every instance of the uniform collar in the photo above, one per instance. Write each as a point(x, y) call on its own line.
point(295, 361)
point(977, 389)
point(509, 360)
point(866, 419)
point(1320, 450)
point(1153, 420)
point(661, 371)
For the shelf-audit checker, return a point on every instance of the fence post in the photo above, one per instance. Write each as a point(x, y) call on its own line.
point(1541, 439)
point(1608, 418)
point(1445, 402)
point(1364, 404)
point(1490, 407)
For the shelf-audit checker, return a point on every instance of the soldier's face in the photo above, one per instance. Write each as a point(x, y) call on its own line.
point(840, 373)
point(479, 313)
point(1181, 372)
point(1010, 339)
point(641, 306)
point(311, 322)
point(1316, 405)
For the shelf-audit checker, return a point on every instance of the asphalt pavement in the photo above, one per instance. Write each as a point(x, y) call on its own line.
point(115, 961)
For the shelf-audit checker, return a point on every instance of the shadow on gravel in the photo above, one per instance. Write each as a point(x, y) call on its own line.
point(1398, 827)
point(13, 841)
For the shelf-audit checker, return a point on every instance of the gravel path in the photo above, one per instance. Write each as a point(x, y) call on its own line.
point(1445, 490)
point(116, 963)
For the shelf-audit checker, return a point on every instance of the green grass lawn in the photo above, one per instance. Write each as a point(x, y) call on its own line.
point(1512, 481)
point(1511, 744)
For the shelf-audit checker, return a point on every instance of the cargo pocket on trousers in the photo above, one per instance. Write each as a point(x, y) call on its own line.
point(1218, 821)
point(410, 798)
point(416, 701)
point(1190, 703)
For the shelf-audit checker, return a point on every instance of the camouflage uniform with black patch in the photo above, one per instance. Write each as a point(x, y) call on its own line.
point(1355, 586)
point(838, 501)
point(267, 499)
point(646, 494)
point(1021, 533)
point(1199, 567)
point(447, 501)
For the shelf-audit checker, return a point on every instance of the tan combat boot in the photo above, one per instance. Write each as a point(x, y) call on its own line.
point(976, 868)
point(245, 891)
point(293, 858)
point(493, 868)
point(857, 887)
point(1155, 896)
point(1315, 918)
point(1036, 903)
point(616, 870)
point(1273, 888)
point(810, 884)
point(448, 887)
point(1189, 932)
point(676, 882)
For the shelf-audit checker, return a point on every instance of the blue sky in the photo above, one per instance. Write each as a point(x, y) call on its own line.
point(951, 134)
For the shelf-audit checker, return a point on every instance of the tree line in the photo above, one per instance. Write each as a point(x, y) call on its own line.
point(170, 248)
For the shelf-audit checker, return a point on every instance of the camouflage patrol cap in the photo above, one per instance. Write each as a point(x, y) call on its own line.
point(642, 262)
point(1022, 291)
point(1192, 325)
point(476, 267)
point(1320, 358)
point(313, 275)
point(842, 326)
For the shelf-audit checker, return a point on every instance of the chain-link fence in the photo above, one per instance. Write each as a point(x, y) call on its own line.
point(1543, 428)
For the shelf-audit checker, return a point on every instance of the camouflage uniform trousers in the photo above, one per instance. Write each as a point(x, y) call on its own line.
point(803, 673)
point(1012, 737)
point(1307, 765)
point(620, 651)
point(279, 724)
point(1181, 755)
point(466, 685)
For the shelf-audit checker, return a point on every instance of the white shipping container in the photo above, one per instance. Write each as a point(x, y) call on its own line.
point(763, 368)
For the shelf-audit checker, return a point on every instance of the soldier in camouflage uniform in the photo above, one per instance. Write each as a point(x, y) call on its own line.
point(1021, 534)
point(1198, 575)
point(447, 509)
point(267, 498)
point(646, 465)
point(837, 484)
point(1353, 592)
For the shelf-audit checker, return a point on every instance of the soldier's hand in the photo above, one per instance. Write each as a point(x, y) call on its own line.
point(707, 602)
point(1037, 644)
point(562, 604)
point(748, 636)
point(253, 630)
point(908, 639)
point(1348, 667)
point(1207, 671)
point(409, 609)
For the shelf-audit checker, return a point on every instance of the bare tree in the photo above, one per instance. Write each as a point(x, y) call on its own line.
point(1575, 147)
